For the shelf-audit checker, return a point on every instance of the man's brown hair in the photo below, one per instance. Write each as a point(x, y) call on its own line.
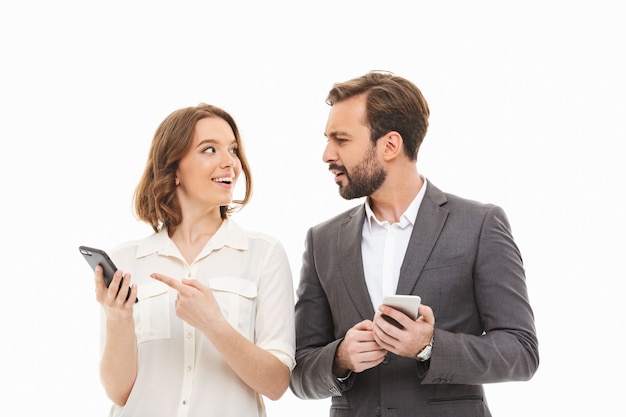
point(393, 103)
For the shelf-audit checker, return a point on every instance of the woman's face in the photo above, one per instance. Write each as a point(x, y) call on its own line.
point(207, 174)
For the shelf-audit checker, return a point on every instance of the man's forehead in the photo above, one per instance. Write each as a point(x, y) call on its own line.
point(346, 116)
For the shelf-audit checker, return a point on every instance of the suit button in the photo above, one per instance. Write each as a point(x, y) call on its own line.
point(386, 359)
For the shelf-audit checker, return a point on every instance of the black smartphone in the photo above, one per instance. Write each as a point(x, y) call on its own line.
point(95, 257)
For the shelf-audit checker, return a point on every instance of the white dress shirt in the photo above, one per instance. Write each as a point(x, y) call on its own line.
point(180, 373)
point(383, 246)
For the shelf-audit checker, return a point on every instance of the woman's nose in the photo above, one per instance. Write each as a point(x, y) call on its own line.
point(228, 160)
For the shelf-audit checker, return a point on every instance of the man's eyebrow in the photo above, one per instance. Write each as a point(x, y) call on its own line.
point(334, 134)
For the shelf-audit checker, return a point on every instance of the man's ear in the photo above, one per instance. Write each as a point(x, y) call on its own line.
point(393, 145)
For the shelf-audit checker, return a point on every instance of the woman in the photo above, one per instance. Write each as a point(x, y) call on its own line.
point(213, 328)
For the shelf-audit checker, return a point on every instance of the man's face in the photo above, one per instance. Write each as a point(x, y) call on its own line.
point(349, 153)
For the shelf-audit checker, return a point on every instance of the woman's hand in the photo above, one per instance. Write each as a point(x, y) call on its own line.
point(259, 369)
point(195, 303)
point(115, 301)
point(118, 366)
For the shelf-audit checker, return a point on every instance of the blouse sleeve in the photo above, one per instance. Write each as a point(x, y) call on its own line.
point(274, 327)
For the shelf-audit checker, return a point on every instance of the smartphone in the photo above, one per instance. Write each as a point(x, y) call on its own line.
point(408, 304)
point(95, 257)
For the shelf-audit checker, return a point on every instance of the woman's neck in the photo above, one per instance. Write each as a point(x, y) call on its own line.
point(191, 236)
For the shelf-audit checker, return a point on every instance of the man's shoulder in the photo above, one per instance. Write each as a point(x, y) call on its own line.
point(340, 218)
point(458, 201)
point(453, 201)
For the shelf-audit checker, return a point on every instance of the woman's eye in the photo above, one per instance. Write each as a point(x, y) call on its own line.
point(234, 151)
point(210, 149)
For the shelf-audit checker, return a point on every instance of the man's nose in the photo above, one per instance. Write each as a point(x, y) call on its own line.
point(329, 154)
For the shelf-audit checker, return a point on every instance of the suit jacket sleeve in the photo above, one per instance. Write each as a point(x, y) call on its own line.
point(506, 347)
point(315, 340)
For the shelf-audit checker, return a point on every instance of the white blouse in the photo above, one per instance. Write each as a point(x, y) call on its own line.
point(179, 371)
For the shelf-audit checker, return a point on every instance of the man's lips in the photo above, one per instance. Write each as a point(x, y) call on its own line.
point(337, 171)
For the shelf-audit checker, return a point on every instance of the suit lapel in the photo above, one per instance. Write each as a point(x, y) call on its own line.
point(351, 261)
point(429, 222)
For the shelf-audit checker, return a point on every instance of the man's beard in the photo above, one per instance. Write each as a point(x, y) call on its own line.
point(364, 178)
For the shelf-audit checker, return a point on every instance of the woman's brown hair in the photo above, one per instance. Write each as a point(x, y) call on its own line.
point(155, 196)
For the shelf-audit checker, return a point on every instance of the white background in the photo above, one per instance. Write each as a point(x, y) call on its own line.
point(527, 102)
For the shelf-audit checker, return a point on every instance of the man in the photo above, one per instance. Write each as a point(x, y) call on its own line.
point(475, 326)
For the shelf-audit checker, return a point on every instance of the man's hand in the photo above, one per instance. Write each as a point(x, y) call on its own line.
point(409, 340)
point(358, 350)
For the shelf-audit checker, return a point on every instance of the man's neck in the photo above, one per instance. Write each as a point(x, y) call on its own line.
point(391, 200)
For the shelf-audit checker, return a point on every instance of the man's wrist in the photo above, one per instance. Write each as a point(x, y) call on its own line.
point(426, 352)
point(340, 367)
point(344, 378)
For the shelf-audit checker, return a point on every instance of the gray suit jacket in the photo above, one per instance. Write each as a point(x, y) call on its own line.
point(463, 262)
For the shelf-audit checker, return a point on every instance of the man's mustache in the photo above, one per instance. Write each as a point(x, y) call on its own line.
point(339, 168)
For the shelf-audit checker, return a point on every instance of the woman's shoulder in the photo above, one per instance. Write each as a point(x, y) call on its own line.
point(129, 248)
point(252, 236)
